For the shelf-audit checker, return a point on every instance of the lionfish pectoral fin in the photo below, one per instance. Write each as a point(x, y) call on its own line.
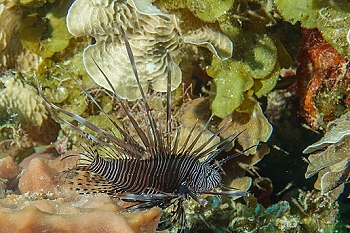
point(174, 214)
point(160, 200)
point(227, 193)
point(183, 228)
point(144, 205)
point(87, 183)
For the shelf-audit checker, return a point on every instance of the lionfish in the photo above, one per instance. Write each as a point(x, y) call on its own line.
point(154, 171)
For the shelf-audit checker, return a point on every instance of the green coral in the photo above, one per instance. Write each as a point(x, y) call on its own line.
point(254, 69)
point(235, 81)
point(231, 80)
point(43, 26)
point(206, 10)
point(330, 19)
point(58, 86)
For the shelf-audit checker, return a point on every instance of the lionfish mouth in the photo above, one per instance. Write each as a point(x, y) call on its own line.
point(153, 169)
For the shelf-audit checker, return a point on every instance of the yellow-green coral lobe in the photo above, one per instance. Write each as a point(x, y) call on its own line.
point(206, 10)
point(231, 80)
point(45, 34)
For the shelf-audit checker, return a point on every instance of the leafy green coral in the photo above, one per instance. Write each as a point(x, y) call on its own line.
point(330, 19)
point(231, 80)
point(43, 26)
point(254, 69)
point(206, 10)
point(235, 81)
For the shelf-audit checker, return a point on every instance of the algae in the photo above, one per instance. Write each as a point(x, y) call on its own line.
point(231, 80)
point(315, 210)
point(206, 10)
point(255, 66)
point(330, 18)
point(43, 26)
point(226, 215)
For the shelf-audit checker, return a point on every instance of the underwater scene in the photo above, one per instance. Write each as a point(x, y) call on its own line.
point(175, 116)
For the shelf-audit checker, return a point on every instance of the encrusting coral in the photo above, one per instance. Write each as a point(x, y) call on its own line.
point(48, 204)
point(323, 80)
point(151, 34)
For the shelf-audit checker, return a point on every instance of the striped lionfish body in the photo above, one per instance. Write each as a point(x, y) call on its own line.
point(154, 170)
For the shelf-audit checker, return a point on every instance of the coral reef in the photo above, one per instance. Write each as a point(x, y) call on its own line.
point(12, 53)
point(150, 32)
point(317, 212)
point(323, 80)
point(42, 26)
point(330, 158)
point(26, 122)
point(253, 217)
point(48, 203)
point(330, 18)
point(33, 34)
point(258, 59)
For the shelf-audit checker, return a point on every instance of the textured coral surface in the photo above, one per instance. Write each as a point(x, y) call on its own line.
point(45, 203)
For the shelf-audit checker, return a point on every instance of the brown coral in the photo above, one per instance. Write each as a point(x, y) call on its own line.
point(12, 53)
point(27, 123)
point(251, 128)
point(330, 158)
point(323, 80)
